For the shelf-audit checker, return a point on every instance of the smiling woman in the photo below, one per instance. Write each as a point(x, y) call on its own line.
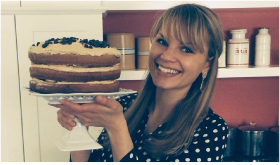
point(186, 40)
point(170, 119)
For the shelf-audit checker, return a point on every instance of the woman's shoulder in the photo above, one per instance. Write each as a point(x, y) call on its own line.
point(214, 123)
point(127, 100)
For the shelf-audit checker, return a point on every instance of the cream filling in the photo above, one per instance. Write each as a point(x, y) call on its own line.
point(77, 69)
point(48, 82)
point(74, 48)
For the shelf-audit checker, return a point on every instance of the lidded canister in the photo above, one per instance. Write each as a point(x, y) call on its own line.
point(238, 49)
point(143, 47)
point(253, 139)
point(232, 129)
point(262, 47)
point(274, 138)
point(125, 43)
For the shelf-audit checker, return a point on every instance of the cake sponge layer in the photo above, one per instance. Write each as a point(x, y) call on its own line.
point(45, 73)
point(74, 59)
point(50, 87)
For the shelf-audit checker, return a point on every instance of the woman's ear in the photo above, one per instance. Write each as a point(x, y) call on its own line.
point(206, 68)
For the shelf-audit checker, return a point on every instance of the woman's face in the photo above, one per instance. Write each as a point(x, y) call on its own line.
point(174, 65)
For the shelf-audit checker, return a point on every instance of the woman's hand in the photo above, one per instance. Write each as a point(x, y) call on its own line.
point(65, 119)
point(104, 112)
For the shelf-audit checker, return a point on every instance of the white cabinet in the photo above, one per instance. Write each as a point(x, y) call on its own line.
point(11, 126)
point(40, 126)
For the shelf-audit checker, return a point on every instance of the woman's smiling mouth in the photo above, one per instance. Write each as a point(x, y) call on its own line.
point(166, 70)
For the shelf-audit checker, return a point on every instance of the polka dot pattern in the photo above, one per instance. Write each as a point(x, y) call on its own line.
point(208, 143)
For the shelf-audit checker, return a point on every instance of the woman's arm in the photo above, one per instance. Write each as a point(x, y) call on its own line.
point(120, 141)
point(80, 156)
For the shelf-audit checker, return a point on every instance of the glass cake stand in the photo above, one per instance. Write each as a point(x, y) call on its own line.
point(78, 138)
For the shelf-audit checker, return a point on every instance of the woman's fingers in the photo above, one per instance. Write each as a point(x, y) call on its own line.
point(110, 103)
point(70, 116)
point(65, 121)
point(71, 106)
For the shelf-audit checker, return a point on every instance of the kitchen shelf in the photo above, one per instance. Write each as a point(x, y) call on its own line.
point(222, 73)
point(165, 4)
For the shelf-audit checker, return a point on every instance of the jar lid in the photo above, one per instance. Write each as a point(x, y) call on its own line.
point(238, 31)
point(232, 126)
point(252, 127)
point(275, 129)
point(263, 28)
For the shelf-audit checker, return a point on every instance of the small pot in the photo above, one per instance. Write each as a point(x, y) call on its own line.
point(274, 134)
point(253, 139)
point(231, 140)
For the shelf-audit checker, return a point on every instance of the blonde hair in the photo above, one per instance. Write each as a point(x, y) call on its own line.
point(188, 23)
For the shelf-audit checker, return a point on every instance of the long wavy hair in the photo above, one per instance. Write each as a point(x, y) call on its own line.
point(200, 26)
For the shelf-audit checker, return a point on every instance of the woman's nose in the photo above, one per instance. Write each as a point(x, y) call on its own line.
point(168, 55)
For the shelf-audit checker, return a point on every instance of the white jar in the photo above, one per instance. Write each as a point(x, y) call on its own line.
point(238, 49)
point(262, 48)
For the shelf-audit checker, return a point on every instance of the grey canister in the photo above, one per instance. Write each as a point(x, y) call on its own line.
point(231, 141)
point(274, 134)
point(253, 139)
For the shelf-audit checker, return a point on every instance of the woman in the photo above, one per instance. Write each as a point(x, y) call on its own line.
point(170, 120)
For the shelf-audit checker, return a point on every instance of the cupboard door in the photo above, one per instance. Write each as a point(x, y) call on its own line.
point(10, 3)
point(64, 3)
point(11, 126)
point(40, 126)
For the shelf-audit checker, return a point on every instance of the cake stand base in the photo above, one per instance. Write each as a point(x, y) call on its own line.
point(77, 139)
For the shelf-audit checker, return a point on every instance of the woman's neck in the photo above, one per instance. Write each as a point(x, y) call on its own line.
point(161, 110)
point(165, 102)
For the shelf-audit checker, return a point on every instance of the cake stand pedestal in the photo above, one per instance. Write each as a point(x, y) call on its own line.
point(77, 139)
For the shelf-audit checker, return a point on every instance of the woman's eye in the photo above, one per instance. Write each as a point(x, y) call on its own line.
point(162, 42)
point(186, 50)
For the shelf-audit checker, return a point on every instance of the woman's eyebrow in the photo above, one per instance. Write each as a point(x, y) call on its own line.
point(161, 35)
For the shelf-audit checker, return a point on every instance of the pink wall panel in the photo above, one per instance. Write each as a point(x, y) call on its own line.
point(242, 100)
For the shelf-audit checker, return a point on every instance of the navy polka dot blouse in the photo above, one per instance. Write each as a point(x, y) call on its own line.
point(208, 143)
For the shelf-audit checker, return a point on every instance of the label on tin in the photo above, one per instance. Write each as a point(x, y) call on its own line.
point(238, 54)
point(143, 53)
point(127, 51)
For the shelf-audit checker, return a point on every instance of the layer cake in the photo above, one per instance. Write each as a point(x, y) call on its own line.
point(73, 65)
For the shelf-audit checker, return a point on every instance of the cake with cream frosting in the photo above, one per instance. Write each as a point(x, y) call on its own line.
point(73, 65)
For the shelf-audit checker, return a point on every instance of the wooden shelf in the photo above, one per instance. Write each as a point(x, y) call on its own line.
point(165, 4)
point(222, 73)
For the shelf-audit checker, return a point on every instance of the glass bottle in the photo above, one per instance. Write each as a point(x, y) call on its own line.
point(262, 47)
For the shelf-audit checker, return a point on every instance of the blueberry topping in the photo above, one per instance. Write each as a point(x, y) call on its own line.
point(69, 40)
point(45, 45)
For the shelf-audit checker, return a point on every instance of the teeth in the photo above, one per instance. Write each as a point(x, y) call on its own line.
point(164, 70)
